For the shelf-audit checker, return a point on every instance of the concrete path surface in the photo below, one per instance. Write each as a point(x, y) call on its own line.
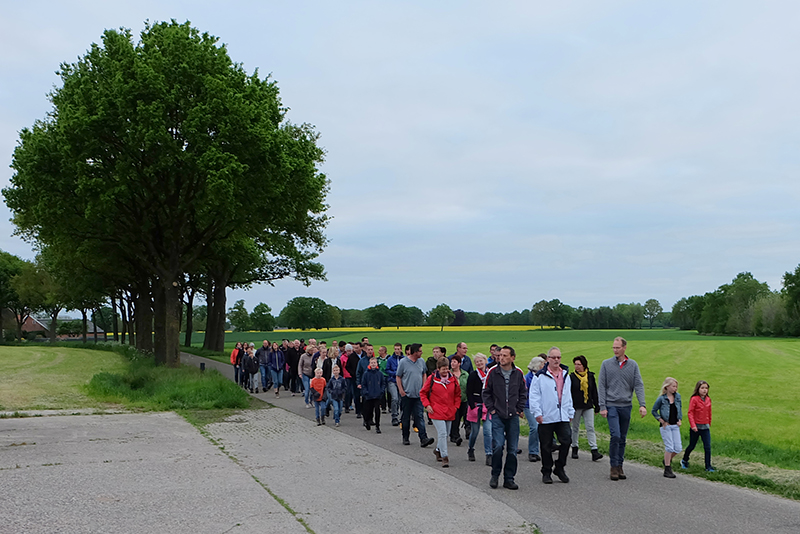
point(275, 470)
point(646, 502)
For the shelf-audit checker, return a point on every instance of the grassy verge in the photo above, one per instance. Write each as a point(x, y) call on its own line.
point(145, 386)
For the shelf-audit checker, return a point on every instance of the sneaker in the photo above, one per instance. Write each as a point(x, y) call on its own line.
point(337, 423)
point(489, 459)
point(493, 482)
point(406, 442)
point(395, 422)
point(510, 484)
point(546, 478)
point(377, 430)
point(684, 464)
point(358, 416)
point(711, 469)
point(533, 458)
point(367, 426)
point(425, 442)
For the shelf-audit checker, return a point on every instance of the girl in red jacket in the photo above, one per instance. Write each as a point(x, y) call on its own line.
point(441, 397)
point(700, 422)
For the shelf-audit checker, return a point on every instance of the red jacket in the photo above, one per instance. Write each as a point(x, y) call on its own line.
point(445, 399)
point(699, 412)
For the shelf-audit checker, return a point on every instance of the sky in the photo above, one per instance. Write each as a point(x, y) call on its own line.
point(489, 155)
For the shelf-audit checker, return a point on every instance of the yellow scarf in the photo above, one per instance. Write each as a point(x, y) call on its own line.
point(584, 377)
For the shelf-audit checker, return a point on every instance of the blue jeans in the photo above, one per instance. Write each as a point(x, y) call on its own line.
point(264, 372)
point(277, 377)
point(705, 435)
point(413, 407)
point(236, 374)
point(337, 408)
point(349, 392)
point(307, 388)
point(619, 420)
point(533, 434)
point(505, 432)
point(319, 408)
point(487, 435)
point(394, 394)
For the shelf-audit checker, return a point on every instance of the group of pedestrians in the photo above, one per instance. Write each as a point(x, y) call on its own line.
point(456, 391)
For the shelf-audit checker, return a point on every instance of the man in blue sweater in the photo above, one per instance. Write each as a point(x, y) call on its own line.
point(619, 378)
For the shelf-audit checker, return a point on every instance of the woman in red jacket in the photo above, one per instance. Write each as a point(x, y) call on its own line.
point(441, 397)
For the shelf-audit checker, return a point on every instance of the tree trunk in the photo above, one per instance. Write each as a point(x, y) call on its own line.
point(83, 323)
point(209, 340)
point(144, 318)
point(124, 317)
point(189, 317)
point(114, 320)
point(216, 322)
point(94, 324)
point(53, 325)
point(131, 319)
point(166, 304)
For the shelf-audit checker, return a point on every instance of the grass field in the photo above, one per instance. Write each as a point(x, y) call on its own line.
point(38, 377)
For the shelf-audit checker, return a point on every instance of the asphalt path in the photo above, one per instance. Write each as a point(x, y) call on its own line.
point(590, 502)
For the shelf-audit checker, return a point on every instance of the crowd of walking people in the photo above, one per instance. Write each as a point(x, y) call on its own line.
point(485, 395)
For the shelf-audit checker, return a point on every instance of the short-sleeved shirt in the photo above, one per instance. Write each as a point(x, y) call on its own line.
point(412, 375)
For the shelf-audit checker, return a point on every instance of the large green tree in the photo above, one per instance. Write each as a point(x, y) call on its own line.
point(652, 310)
point(304, 313)
point(150, 149)
point(442, 315)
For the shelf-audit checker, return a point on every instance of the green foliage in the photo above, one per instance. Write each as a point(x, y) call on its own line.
point(148, 387)
point(304, 313)
point(730, 309)
point(239, 316)
point(70, 328)
point(441, 316)
point(652, 310)
point(261, 319)
point(791, 289)
point(379, 315)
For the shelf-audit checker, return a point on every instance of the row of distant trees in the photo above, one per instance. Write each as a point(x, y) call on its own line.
point(311, 312)
point(745, 307)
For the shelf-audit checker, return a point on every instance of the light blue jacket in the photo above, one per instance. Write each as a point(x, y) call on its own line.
point(661, 407)
point(543, 397)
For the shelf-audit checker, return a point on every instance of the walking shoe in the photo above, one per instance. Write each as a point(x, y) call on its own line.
point(596, 455)
point(318, 423)
point(493, 482)
point(533, 458)
point(337, 423)
point(489, 459)
point(711, 469)
point(684, 464)
point(384, 411)
point(510, 484)
point(322, 419)
point(614, 472)
point(437, 454)
point(366, 425)
point(347, 410)
point(445, 461)
point(424, 443)
point(459, 441)
point(562, 475)
point(546, 478)
point(621, 473)
point(395, 422)
point(377, 429)
point(277, 395)
point(358, 416)
point(574, 453)
point(256, 390)
point(415, 429)
point(668, 471)
point(471, 455)
point(406, 442)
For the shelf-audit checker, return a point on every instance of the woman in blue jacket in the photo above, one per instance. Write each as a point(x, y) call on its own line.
point(667, 411)
point(276, 362)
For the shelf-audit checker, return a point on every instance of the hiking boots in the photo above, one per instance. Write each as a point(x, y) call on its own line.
point(533, 458)
point(574, 453)
point(489, 459)
point(562, 475)
point(621, 473)
point(425, 442)
point(493, 482)
point(596, 455)
point(318, 422)
point(471, 455)
point(510, 484)
point(614, 472)
point(322, 419)
point(445, 461)
point(668, 471)
point(546, 478)
point(437, 454)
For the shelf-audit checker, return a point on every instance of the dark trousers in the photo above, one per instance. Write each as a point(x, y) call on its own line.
point(564, 434)
point(371, 410)
point(705, 435)
point(455, 428)
point(412, 407)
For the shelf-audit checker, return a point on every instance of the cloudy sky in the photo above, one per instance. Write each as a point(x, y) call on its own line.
point(492, 154)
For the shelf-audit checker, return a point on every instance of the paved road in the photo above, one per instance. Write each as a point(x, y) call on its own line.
point(646, 502)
